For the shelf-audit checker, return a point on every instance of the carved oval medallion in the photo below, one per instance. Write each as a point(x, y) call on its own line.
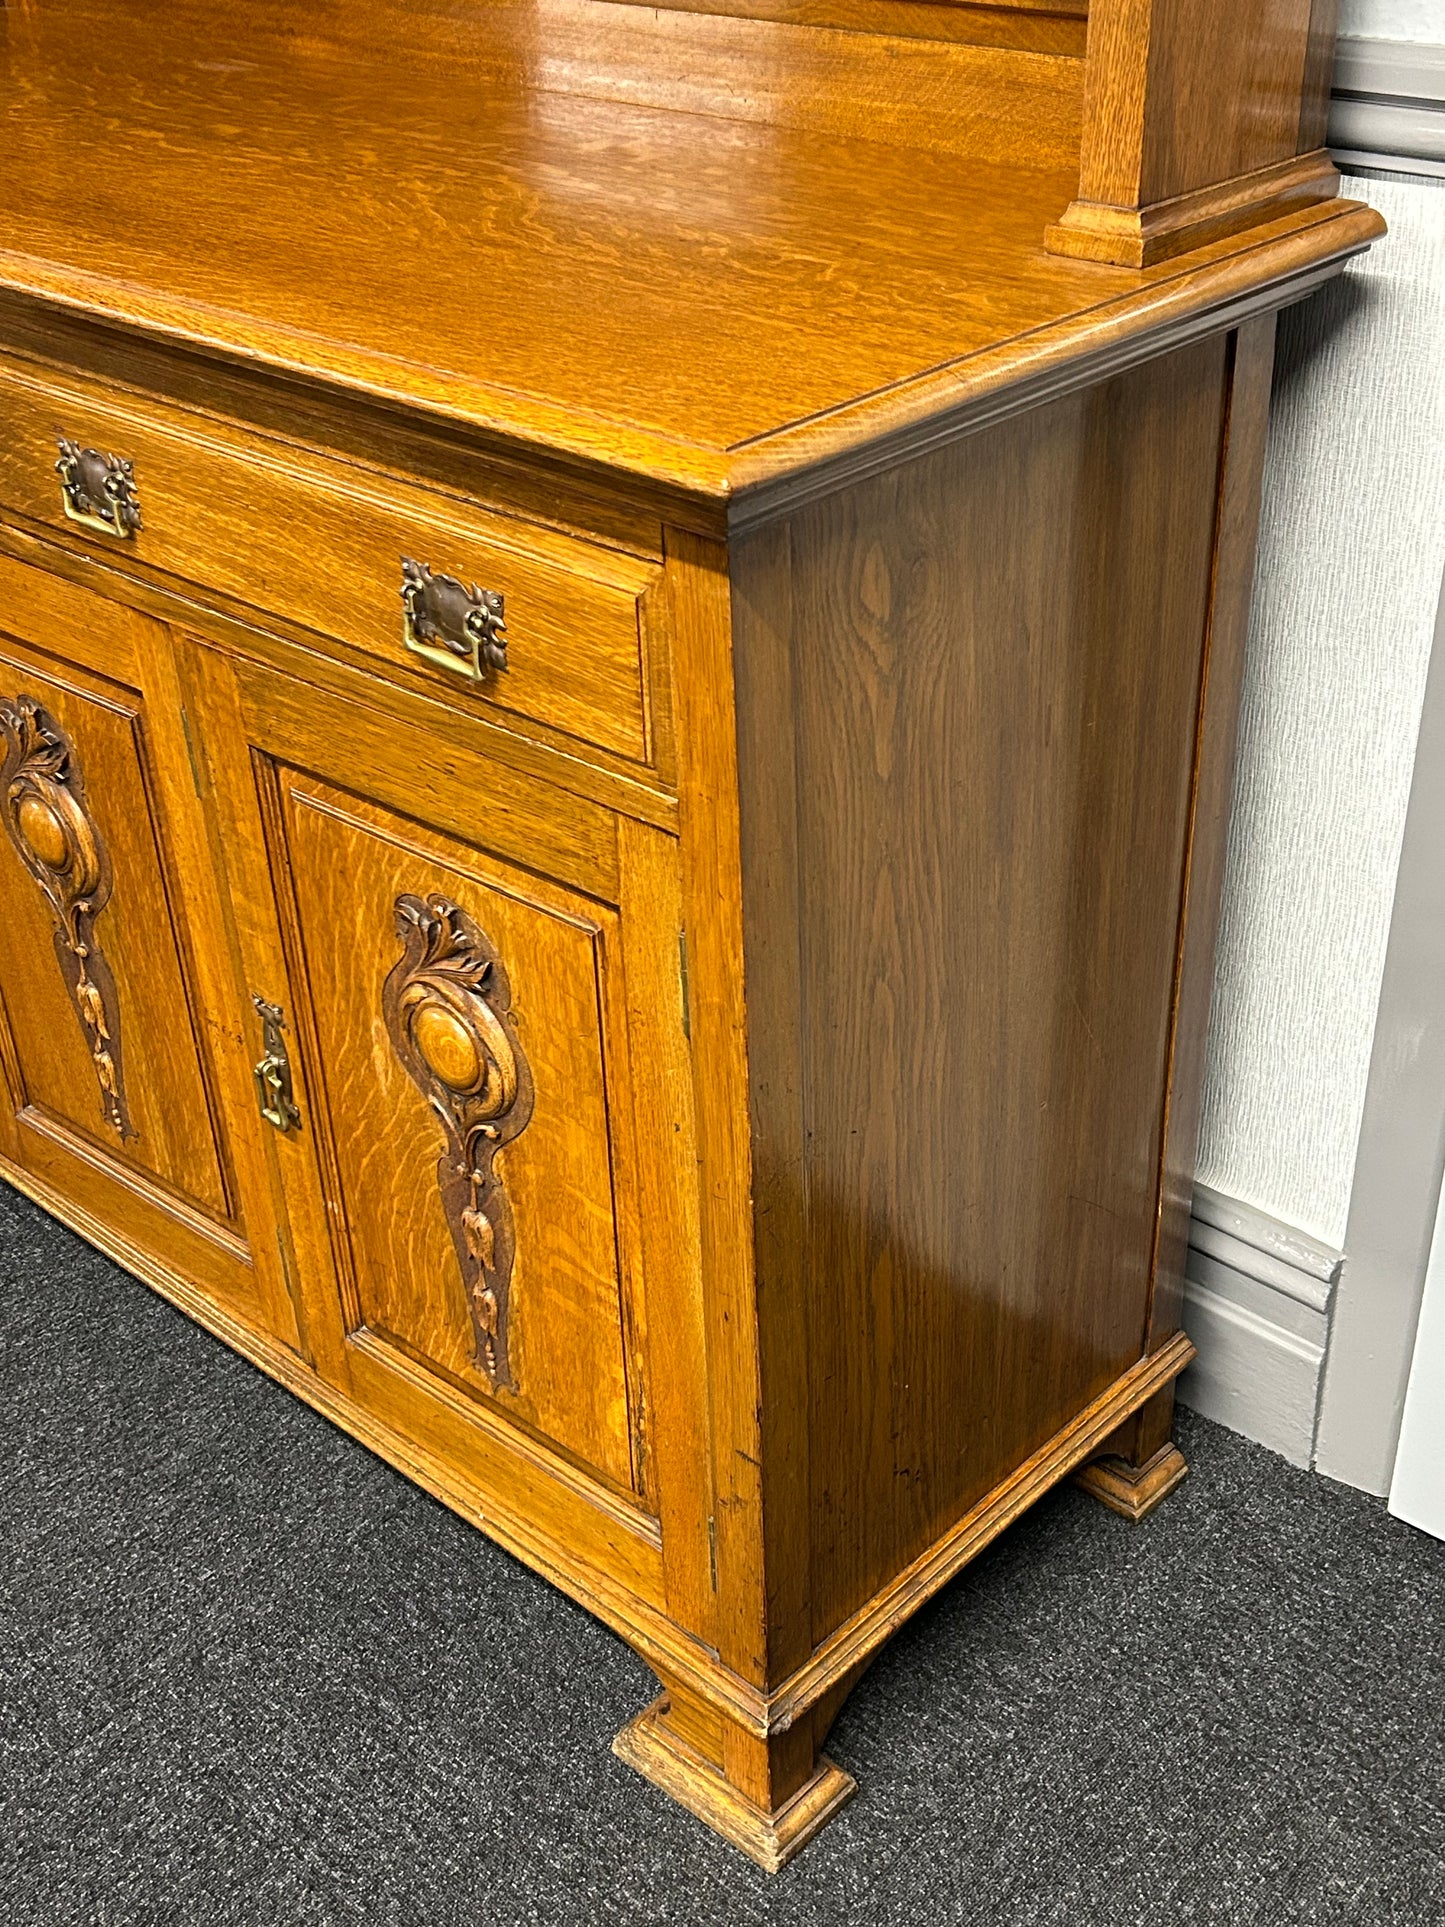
point(448, 1047)
point(40, 825)
point(464, 1044)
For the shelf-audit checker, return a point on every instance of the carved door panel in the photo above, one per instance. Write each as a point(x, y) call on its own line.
point(460, 1019)
point(467, 994)
point(113, 1112)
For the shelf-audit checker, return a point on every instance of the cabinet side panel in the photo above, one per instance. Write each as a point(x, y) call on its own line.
point(1230, 81)
point(994, 664)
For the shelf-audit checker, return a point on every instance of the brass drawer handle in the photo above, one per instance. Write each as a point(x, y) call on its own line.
point(450, 626)
point(98, 490)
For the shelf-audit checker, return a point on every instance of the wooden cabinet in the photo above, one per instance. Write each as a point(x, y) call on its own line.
point(618, 670)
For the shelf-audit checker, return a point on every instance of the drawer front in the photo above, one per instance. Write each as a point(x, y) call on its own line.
point(324, 545)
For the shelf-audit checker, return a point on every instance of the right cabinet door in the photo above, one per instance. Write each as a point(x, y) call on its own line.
point(476, 989)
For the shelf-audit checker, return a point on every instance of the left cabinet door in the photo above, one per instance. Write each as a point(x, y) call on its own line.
point(115, 1044)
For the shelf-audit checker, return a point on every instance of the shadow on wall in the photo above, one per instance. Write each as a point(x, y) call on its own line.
point(1323, 324)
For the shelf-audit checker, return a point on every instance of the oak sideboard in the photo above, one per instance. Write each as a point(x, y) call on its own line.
point(619, 640)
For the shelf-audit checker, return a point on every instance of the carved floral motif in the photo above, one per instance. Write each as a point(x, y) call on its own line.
point(447, 1005)
point(57, 841)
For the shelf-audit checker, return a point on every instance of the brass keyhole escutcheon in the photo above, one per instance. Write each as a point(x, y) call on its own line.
point(273, 1074)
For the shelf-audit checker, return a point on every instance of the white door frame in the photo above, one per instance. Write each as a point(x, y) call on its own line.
point(1417, 1490)
point(1396, 1187)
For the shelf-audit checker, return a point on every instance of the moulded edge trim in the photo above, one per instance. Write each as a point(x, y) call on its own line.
point(773, 499)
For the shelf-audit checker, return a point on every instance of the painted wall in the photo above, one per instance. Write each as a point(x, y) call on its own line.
point(1352, 552)
point(1394, 19)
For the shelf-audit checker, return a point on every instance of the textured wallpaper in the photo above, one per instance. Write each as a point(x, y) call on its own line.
point(1352, 551)
point(1394, 19)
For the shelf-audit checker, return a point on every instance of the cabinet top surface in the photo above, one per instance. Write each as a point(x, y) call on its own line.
point(674, 243)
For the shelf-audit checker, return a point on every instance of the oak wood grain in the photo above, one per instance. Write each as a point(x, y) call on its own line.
point(770, 1835)
point(1131, 1490)
point(170, 1176)
point(698, 591)
point(573, 841)
point(669, 1316)
point(733, 238)
point(270, 641)
point(349, 864)
point(300, 536)
point(958, 1066)
point(1194, 115)
point(172, 1132)
point(1055, 27)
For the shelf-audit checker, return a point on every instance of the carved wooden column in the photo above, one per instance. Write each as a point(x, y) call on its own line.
point(1201, 117)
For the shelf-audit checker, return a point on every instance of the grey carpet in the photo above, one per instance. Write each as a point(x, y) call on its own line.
point(249, 1675)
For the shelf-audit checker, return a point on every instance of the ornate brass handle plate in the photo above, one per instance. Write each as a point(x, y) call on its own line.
point(274, 1093)
point(55, 837)
point(97, 490)
point(451, 626)
point(447, 1005)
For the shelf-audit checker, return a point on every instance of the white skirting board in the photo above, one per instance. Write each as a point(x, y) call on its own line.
point(1388, 105)
point(1256, 1303)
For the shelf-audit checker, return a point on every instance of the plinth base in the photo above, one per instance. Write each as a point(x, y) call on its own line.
point(1133, 1490)
point(771, 1839)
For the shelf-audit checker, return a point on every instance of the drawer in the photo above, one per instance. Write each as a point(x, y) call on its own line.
point(323, 545)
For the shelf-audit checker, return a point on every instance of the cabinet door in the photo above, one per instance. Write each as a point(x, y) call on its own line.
point(114, 1114)
point(480, 984)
